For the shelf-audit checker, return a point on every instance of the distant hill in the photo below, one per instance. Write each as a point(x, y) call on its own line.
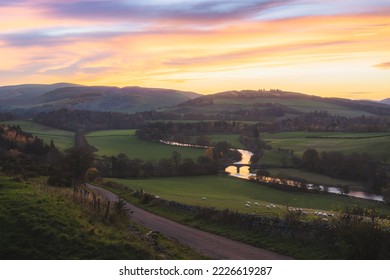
point(262, 104)
point(29, 90)
point(41, 98)
point(385, 101)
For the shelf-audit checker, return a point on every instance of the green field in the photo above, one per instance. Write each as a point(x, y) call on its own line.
point(62, 139)
point(114, 142)
point(225, 192)
point(375, 144)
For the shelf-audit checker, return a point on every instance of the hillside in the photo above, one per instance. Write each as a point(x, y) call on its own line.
point(262, 104)
point(385, 101)
point(43, 98)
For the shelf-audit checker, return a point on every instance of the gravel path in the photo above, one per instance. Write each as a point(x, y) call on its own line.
point(205, 243)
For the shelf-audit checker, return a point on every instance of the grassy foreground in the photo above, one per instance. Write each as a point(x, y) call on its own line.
point(43, 223)
point(114, 142)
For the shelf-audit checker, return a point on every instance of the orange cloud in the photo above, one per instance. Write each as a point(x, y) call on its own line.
point(385, 65)
point(328, 54)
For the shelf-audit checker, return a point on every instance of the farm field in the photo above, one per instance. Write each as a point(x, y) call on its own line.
point(375, 144)
point(114, 142)
point(224, 192)
point(62, 139)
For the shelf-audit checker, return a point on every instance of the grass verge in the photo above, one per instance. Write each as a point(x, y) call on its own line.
point(39, 222)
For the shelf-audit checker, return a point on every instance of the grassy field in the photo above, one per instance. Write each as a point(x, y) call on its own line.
point(113, 142)
point(63, 139)
point(224, 192)
point(42, 223)
point(375, 144)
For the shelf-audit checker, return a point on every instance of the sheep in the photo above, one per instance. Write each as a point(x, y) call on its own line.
point(257, 204)
point(247, 205)
point(204, 198)
point(156, 197)
point(248, 202)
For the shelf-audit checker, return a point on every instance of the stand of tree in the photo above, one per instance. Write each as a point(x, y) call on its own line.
point(5, 116)
point(324, 121)
point(122, 166)
point(356, 167)
point(181, 132)
point(23, 154)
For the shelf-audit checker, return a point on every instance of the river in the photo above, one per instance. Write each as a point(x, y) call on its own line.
point(245, 174)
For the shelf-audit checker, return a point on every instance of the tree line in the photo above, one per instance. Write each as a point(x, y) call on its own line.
point(355, 166)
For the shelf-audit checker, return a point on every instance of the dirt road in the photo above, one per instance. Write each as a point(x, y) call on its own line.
point(207, 244)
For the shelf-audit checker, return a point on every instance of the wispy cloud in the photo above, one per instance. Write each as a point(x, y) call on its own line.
point(206, 45)
point(157, 10)
point(385, 65)
point(258, 53)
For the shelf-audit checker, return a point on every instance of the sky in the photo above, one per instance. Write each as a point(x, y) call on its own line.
point(320, 47)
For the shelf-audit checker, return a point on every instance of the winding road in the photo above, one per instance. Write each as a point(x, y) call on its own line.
point(205, 243)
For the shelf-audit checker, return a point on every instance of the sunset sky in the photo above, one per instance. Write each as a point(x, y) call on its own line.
point(325, 47)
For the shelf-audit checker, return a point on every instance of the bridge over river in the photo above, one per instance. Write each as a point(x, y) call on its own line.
point(238, 166)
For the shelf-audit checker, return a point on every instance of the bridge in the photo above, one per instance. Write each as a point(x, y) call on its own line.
point(251, 166)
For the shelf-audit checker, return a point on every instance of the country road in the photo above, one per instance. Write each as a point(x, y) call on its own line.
point(205, 243)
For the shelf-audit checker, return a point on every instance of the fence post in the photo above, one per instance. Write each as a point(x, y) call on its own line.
point(108, 209)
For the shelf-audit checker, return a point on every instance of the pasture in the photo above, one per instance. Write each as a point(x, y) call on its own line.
point(375, 144)
point(62, 139)
point(114, 142)
point(230, 193)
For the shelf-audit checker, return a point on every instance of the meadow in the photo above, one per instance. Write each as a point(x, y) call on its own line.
point(224, 192)
point(114, 142)
point(62, 139)
point(375, 144)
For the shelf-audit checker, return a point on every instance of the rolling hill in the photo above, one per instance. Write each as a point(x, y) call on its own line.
point(41, 98)
point(385, 101)
point(249, 104)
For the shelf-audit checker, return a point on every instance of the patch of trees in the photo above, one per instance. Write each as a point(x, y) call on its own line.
point(14, 140)
point(6, 116)
point(181, 132)
point(122, 166)
point(356, 167)
point(72, 168)
point(93, 120)
point(22, 153)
